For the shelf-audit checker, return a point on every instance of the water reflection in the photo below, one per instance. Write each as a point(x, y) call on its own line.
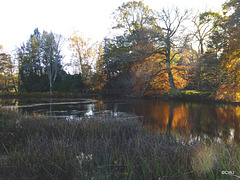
point(190, 120)
point(187, 120)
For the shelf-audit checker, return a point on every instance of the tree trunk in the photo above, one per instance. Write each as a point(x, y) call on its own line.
point(170, 76)
point(168, 60)
point(50, 83)
point(201, 47)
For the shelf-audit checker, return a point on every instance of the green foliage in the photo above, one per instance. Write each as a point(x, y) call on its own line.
point(39, 62)
point(209, 74)
point(116, 61)
point(40, 66)
point(133, 15)
point(187, 94)
point(8, 80)
point(69, 83)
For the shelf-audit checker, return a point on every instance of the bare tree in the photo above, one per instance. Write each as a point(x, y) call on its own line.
point(203, 28)
point(168, 22)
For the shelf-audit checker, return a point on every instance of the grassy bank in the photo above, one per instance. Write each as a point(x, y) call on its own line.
point(105, 148)
point(187, 95)
point(193, 96)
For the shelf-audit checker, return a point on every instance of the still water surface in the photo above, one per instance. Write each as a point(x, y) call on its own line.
point(183, 119)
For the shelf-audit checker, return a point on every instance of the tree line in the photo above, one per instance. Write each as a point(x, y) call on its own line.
point(155, 51)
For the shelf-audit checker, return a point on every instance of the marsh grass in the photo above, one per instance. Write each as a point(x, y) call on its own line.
point(103, 147)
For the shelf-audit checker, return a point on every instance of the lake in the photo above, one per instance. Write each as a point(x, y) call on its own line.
point(186, 120)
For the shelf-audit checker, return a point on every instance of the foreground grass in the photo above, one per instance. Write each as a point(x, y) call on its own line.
point(105, 148)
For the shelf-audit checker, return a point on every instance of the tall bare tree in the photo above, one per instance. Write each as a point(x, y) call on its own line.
point(169, 22)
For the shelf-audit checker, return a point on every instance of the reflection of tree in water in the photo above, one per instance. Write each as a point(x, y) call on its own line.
point(163, 116)
point(155, 114)
point(205, 121)
point(230, 119)
point(170, 119)
point(191, 120)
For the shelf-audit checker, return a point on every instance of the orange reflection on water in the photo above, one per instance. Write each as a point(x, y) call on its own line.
point(160, 116)
point(163, 117)
point(222, 114)
point(191, 120)
point(181, 118)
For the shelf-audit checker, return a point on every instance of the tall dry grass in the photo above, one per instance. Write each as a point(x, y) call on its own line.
point(103, 147)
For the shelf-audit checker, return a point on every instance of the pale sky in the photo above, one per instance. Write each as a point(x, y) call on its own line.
point(19, 18)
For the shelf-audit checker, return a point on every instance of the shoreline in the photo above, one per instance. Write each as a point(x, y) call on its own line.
point(179, 95)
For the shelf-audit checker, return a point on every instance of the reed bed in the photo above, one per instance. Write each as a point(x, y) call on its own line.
point(105, 147)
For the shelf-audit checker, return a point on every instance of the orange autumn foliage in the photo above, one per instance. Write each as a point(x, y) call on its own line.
point(228, 92)
point(150, 77)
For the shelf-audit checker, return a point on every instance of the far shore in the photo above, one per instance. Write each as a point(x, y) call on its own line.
point(181, 95)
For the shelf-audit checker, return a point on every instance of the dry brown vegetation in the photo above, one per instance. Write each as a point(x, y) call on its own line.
point(103, 147)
